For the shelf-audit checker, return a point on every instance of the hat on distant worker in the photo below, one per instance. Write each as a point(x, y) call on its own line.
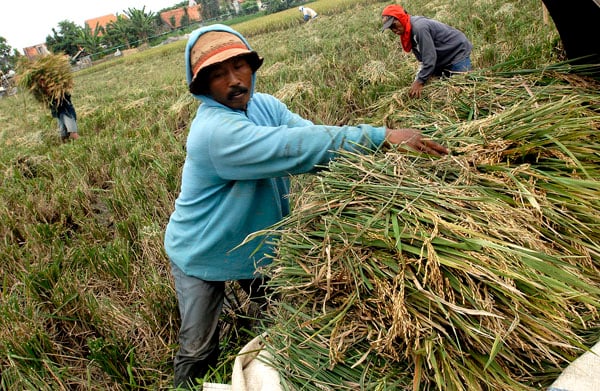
point(388, 20)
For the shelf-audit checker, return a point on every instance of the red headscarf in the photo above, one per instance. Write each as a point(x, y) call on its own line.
point(398, 12)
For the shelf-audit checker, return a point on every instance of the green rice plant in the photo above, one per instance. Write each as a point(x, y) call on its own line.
point(464, 270)
point(291, 18)
point(81, 223)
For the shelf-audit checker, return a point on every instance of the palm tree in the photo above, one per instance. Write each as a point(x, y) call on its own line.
point(64, 40)
point(143, 24)
point(90, 41)
point(119, 32)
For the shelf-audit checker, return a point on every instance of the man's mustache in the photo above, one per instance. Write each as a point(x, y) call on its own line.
point(236, 90)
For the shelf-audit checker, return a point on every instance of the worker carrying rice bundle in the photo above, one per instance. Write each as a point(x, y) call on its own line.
point(50, 80)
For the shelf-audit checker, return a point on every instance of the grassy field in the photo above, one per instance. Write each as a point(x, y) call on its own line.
point(87, 300)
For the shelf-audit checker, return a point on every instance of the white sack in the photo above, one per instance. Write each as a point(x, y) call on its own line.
point(251, 371)
point(583, 374)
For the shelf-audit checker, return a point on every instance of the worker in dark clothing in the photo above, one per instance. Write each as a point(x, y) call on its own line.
point(577, 24)
point(64, 111)
point(441, 49)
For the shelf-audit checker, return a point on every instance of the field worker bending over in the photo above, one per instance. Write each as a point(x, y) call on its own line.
point(307, 13)
point(441, 49)
point(242, 147)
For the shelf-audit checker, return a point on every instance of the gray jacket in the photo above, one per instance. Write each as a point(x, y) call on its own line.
point(437, 46)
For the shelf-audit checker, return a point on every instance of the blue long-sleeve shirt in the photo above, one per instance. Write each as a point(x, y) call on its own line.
point(235, 178)
point(436, 46)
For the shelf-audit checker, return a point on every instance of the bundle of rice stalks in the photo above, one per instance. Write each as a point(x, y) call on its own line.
point(477, 95)
point(48, 78)
point(291, 90)
point(476, 271)
point(374, 72)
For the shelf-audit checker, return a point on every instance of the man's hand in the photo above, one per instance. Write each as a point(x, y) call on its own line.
point(415, 89)
point(413, 139)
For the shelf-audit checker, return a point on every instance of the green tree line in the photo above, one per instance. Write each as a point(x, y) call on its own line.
point(133, 28)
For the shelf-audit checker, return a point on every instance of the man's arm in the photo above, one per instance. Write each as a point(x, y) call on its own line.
point(428, 59)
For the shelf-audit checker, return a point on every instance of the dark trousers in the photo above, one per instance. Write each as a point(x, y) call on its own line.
point(200, 305)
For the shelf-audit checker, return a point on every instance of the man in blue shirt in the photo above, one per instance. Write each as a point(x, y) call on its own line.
point(241, 150)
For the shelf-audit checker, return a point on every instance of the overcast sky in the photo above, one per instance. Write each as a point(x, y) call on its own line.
point(26, 23)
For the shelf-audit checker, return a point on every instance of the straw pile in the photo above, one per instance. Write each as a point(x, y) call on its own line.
point(476, 271)
point(48, 77)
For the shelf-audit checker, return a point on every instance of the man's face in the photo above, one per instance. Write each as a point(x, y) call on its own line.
point(397, 27)
point(230, 82)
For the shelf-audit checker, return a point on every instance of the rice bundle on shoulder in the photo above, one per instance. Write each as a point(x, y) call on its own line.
point(47, 77)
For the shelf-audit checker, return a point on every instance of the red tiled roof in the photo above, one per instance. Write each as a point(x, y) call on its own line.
point(101, 21)
point(173, 17)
